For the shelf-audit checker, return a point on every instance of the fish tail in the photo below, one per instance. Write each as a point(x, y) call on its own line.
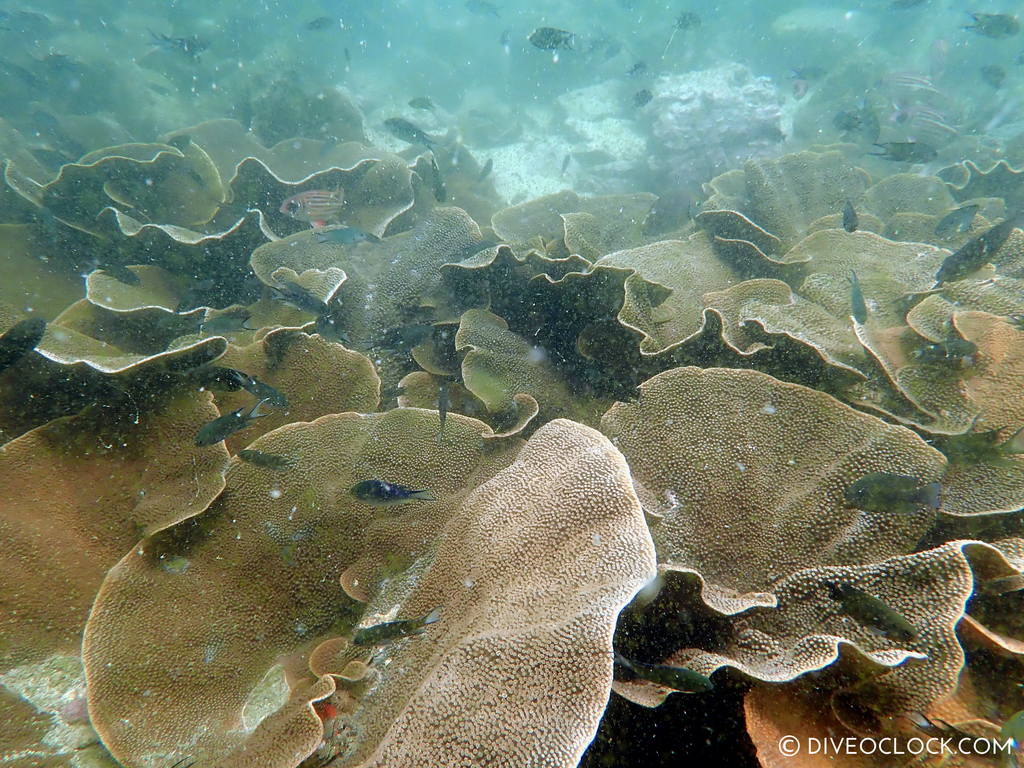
point(254, 414)
point(431, 617)
point(931, 495)
point(423, 495)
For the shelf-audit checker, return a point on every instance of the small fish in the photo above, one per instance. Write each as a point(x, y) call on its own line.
point(315, 206)
point(348, 58)
point(957, 220)
point(677, 678)
point(994, 25)
point(552, 39)
point(422, 102)
point(858, 307)
point(486, 170)
point(329, 328)
point(850, 219)
point(982, 446)
point(345, 236)
point(483, 8)
point(506, 41)
point(190, 46)
point(976, 252)
point(684, 21)
point(120, 272)
point(871, 612)
point(401, 128)
point(863, 121)
point(885, 491)
point(637, 69)
point(266, 460)
point(218, 378)
point(959, 352)
point(20, 339)
point(228, 322)
point(379, 493)
point(993, 75)
point(444, 402)
point(847, 120)
point(222, 427)
point(439, 189)
point(565, 162)
point(297, 296)
point(642, 98)
point(904, 4)
point(906, 151)
point(687, 20)
point(319, 23)
point(389, 631)
point(1002, 586)
point(264, 392)
point(404, 336)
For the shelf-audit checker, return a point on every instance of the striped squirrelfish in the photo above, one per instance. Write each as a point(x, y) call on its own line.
point(316, 206)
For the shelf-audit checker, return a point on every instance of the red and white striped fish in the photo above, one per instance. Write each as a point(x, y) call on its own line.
point(316, 206)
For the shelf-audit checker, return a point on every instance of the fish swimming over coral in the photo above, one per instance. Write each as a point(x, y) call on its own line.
point(230, 321)
point(20, 339)
point(977, 251)
point(266, 460)
point(858, 307)
point(423, 102)
point(642, 98)
point(906, 151)
point(265, 392)
point(888, 492)
point(315, 206)
point(320, 23)
point(958, 220)
point(677, 678)
point(437, 182)
point(390, 631)
point(379, 493)
point(294, 294)
point(345, 236)
point(402, 129)
point(870, 612)
point(444, 402)
point(994, 25)
point(954, 351)
point(190, 46)
point(224, 426)
point(551, 39)
point(850, 220)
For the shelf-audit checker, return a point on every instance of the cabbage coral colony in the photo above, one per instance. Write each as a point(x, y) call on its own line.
point(593, 405)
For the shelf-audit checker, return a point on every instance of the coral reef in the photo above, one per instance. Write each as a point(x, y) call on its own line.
point(206, 602)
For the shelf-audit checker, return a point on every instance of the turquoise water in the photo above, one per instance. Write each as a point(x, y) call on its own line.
point(511, 384)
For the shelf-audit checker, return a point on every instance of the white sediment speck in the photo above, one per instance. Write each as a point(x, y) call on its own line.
point(769, 409)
